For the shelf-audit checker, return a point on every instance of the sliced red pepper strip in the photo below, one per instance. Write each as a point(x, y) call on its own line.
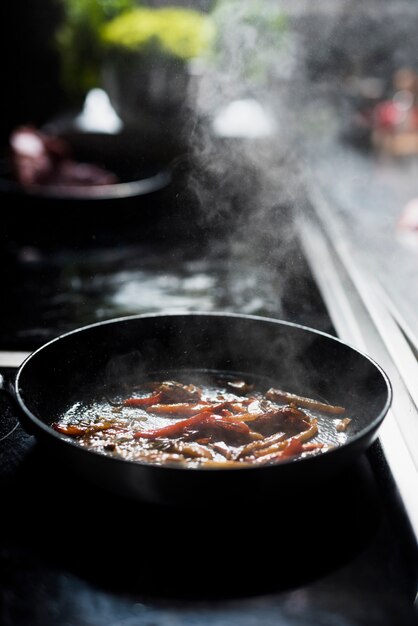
point(144, 401)
point(204, 418)
point(175, 429)
point(309, 447)
point(294, 447)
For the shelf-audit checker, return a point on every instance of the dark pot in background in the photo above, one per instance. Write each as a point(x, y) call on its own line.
point(151, 94)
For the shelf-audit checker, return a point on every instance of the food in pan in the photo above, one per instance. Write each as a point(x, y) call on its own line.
point(42, 159)
point(225, 422)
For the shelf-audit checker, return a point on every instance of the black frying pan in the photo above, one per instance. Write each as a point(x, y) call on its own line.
point(301, 360)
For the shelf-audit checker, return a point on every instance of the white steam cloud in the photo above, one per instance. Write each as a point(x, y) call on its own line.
point(245, 171)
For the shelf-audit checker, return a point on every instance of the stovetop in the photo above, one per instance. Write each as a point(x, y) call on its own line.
point(52, 291)
point(342, 554)
point(337, 556)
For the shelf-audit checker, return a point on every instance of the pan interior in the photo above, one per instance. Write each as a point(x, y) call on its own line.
point(297, 359)
point(101, 421)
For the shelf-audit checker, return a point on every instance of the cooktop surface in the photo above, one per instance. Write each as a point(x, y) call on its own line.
point(339, 554)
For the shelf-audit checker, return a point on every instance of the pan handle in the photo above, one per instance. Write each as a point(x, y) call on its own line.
point(7, 426)
point(7, 387)
point(10, 360)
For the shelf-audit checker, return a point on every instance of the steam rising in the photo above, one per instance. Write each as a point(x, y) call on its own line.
point(298, 67)
point(245, 173)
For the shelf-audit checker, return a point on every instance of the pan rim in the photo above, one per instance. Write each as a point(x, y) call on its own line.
point(112, 191)
point(363, 433)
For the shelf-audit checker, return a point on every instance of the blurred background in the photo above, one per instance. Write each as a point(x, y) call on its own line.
point(56, 49)
point(182, 123)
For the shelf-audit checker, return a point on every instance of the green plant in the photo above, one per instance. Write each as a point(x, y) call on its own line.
point(79, 42)
point(172, 31)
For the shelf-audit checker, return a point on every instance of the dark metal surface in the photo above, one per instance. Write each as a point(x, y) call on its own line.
point(72, 285)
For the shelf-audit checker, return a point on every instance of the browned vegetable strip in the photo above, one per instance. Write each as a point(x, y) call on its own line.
point(172, 391)
point(191, 450)
point(342, 424)
point(252, 447)
point(187, 408)
point(74, 430)
point(223, 449)
point(288, 419)
point(248, 417)
point(310, 447)
point(276, 447)
point(281, 444)
point(180, 408)
point(308, 434)
point(291, 398)
point(289, 447)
